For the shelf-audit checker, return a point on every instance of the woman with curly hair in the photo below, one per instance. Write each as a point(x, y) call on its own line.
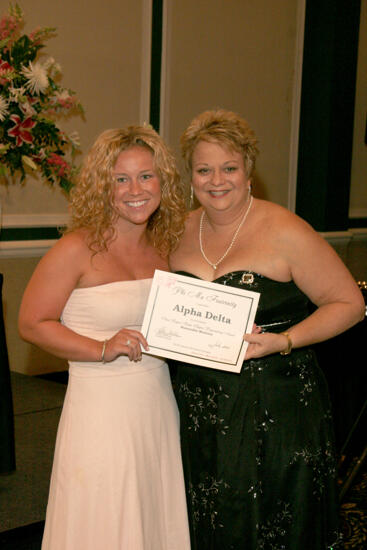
point(258, 446)
point(117, 479)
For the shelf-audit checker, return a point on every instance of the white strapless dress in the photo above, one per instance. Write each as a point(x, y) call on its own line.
point(117, 481)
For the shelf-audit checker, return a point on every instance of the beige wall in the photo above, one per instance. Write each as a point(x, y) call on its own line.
point(99, 47)
point(240, 55)
point(358, 196)
point(23, 357)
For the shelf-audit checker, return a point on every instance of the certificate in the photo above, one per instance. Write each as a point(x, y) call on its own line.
point(198, 322)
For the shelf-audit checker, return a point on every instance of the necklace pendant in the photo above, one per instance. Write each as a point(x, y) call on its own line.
point(214, 266)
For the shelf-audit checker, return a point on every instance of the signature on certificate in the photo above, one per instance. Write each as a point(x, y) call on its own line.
point(164, 333)
point(218, 345)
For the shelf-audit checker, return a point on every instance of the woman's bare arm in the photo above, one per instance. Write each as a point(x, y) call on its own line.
point(319, 272)
point(55, 277)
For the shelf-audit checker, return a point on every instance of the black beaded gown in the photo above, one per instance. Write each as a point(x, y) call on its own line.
point(257, 446)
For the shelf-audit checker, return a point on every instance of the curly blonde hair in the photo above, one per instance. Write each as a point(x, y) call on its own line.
point(92, 196)
point(225, 128)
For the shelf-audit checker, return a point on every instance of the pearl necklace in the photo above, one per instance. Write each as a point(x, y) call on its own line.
point(214, 266)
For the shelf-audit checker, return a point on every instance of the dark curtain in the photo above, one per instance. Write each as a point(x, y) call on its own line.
point(7, 448)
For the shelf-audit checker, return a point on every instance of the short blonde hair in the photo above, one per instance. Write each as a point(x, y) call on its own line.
point(92, 196)
point(225, 128)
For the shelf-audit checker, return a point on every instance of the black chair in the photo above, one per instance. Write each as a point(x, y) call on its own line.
point(7, 445)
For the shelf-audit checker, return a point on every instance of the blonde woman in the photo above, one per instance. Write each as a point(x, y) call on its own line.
point(258, 446)
point(117, 478)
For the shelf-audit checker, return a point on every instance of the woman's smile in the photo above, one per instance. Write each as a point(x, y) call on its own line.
point(136, 204)
point(218, 194)
point(219, 176)
point(137, 185)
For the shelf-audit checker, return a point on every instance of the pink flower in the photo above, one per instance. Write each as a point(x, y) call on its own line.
point(67, 103)
point(27, 108)
point(34, 34)
point(4, 65)
point(5, 68)
point(59, 164)
point(20, 130)
point(65, 100)
point(8, 21)
point(9, 27)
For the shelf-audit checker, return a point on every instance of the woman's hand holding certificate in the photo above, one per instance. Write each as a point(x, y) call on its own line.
point(198, 322)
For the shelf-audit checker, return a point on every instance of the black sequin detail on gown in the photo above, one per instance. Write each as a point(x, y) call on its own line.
point(258, 446)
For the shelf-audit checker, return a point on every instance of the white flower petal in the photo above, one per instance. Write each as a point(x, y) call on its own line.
point(16, 94)
point(63, 94)
point(27, 109)
point(36, 76)
point(75, 139)
point(48, 63)
point(3, 108)
point(29, 162)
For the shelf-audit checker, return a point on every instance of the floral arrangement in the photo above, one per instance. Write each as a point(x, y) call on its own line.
point(30, 101)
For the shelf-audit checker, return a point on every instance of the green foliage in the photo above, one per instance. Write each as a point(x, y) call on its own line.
point(31, 103)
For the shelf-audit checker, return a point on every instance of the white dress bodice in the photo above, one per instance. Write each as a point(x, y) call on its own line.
point(99, 312)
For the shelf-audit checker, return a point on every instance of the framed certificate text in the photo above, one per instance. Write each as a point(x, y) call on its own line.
point(198, 322)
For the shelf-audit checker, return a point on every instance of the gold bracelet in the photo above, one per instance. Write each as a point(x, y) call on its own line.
point(289, 346)
point(103, 350)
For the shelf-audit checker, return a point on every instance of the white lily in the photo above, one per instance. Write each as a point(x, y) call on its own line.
point(29, 162)
point(17, 94)
point(75, 139)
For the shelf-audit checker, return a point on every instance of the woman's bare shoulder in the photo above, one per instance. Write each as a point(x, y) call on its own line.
point(75, 242)
point(192, 219)
point(59, 271)
point(191, 225)
point(272, 209)
point(281, 221)
point(70, 250)
point(188, 242)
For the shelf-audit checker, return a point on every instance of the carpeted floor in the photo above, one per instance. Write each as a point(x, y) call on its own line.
point(28, 537)
point(353, 513)
point(23, 494)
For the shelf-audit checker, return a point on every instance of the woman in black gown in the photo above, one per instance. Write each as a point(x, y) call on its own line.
point(258, 446)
